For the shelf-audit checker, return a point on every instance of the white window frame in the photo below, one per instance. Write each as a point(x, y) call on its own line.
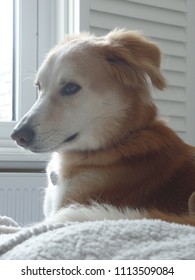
point(41, 24)
point(23, 62)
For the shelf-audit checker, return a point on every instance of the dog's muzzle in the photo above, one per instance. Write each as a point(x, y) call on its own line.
point(23, 136)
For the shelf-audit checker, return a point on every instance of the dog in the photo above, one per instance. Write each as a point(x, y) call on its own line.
point(113, 156)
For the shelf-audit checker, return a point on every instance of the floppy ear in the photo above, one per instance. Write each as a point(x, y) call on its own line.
point(131, 56)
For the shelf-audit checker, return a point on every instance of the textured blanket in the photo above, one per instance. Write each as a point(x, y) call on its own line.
point(122, 239)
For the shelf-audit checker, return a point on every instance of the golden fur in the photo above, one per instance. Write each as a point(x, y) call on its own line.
point(123, 154)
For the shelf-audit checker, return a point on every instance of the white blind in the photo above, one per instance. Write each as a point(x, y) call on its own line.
point(164, 22)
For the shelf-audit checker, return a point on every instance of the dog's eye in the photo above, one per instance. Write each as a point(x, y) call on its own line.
point(70, 89)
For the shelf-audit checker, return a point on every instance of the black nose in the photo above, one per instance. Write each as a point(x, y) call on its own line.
point(23, 136)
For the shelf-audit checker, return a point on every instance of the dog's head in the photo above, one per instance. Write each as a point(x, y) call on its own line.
point(93, 91)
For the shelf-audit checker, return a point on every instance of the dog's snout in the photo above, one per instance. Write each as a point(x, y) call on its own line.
point(23, 136)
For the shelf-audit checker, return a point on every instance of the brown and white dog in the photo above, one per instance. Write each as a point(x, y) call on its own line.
point(113, 156)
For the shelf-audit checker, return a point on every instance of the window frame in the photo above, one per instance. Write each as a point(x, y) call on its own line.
point(35, 31)
point(24, 93)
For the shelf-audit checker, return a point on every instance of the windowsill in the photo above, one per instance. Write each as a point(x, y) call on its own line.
point(13, 157)
point(16, 158)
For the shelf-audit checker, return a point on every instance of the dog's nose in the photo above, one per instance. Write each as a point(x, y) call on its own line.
point(23, 136)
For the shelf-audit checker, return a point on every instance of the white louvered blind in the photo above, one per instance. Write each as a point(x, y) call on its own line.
point(164, 22)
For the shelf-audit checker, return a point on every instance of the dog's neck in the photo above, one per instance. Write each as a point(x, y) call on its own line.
point(119, 175)
point(137, 144)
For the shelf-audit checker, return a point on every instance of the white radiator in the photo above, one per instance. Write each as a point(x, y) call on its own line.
point(21, 196)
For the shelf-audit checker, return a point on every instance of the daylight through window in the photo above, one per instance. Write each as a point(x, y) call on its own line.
point(6, 60)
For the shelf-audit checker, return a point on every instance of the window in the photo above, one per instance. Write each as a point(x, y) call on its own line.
point(6, 60)
point(18, 69)
point(29, 28)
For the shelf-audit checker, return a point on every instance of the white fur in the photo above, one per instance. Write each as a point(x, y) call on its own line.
point(95, 212)
point(53, 193)
point(81, 213)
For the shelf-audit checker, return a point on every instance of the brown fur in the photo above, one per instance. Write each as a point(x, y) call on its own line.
point(150, 167)
point(140, 162)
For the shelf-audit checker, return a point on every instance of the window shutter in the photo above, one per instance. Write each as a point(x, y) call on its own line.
point(164, 22)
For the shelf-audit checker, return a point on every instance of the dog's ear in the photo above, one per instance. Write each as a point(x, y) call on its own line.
point(132, 58)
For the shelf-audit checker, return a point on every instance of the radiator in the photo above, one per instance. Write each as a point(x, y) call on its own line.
point(21, 196)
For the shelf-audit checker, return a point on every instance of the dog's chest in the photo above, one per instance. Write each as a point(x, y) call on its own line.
point(63, 188)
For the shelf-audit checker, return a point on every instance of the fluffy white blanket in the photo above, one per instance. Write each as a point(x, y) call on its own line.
point(122, 239)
